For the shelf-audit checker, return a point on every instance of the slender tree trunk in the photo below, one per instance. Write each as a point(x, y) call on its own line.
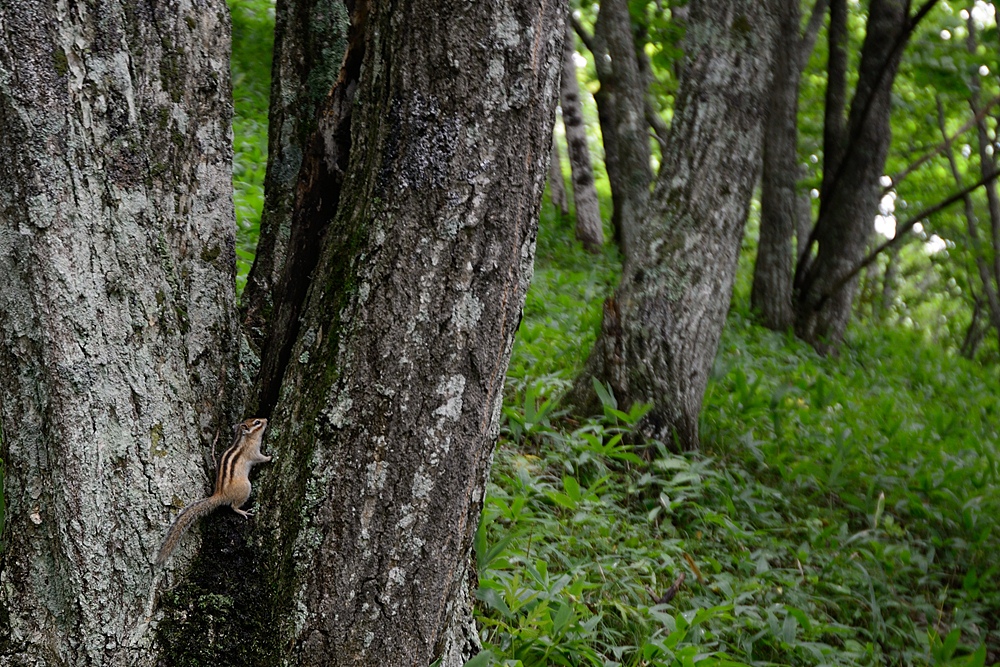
point(557, 184)
point(771, 294)
point(621, 105)
point(310, 37)
point(835, 107)
point(117, 254)
point(589, 230)
point(661, 330)
point(782, 215)
point(850, 196)
point(388, 408)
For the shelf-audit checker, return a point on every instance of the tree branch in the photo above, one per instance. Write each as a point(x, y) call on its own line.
point(585, 37)
point(808, 40)
point(901, 231)
point(940, 148)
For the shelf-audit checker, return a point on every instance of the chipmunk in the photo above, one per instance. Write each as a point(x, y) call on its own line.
point(232, 483)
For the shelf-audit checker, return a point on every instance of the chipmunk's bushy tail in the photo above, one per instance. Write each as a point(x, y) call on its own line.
point(188, 515)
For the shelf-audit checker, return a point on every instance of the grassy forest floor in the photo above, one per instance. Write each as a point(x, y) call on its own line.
point(841, 511)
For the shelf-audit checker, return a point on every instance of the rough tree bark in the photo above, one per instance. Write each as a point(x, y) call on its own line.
point(661, 329)
point(851, 191)
point(386, 439)
point(589, 230)
point(780, 202)
point(309, 43)
point(117, 254)
point(388, 411)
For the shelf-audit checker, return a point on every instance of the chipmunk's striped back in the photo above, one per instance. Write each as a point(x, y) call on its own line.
point(232, 483)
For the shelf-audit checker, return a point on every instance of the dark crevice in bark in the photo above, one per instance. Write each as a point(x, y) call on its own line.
point(310, 38)
point(316, 200)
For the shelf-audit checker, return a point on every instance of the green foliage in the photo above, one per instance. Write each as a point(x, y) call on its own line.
point(840, 511)
point(253, 39)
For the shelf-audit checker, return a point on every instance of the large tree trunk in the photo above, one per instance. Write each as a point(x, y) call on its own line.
point(850, 196)
point(621, 103)
point(388, 411)
point(662, 328)
point(117, 255)
point(588, 213)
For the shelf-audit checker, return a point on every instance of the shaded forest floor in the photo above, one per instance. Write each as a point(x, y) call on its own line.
point(841, 511)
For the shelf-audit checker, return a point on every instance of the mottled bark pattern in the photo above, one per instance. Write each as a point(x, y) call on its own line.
point(117, 255)
point(310, 37)
point(850, 198)
point(588, 213)
point(621, 103)
point(662, 330)
point(389, 409)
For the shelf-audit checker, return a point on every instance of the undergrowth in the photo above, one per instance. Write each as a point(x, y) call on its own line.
point(840, 511)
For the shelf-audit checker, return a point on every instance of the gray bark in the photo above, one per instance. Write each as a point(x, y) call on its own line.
point(621, 105)
point(388, 412)
point(557, 184)
point(850, 196)
point(771, 294)
point(782, 214)
point(117, 252)
point(310, 37)
point(661, 330)
point(589, 231)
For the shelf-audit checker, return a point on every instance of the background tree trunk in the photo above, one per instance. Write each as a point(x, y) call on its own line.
point(850, 196)
point(117, 252)
point(389, 406)
point(588, 213)
point(661, 330)
point(621, 103)
point(557, 183)
point(771, 295)
point(782, 214)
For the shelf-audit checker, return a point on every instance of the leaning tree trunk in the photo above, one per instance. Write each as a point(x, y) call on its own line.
point(389, 405)
point(850, 197)
point(557, 183)
point(589, 231)
point(310, 37)
point(117, 255)
point(661, 329)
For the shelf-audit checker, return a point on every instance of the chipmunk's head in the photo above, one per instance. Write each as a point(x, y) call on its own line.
point(256, 424)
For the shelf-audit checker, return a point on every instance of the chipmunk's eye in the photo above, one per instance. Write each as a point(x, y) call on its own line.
point(256, 422)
